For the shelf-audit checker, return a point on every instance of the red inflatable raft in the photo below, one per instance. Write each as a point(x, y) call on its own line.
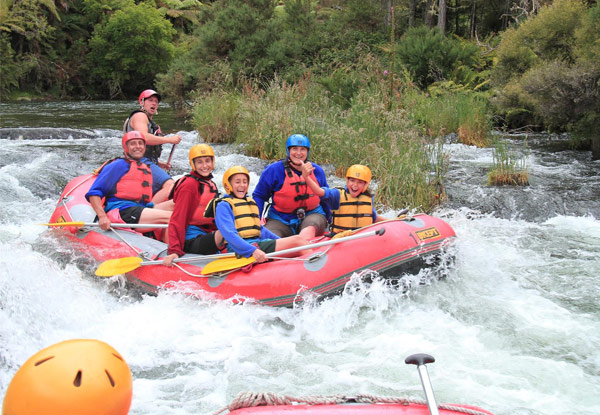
point(362, 404)
point(398, 246)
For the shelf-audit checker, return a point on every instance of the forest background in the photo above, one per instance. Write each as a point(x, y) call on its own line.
point(377, 82)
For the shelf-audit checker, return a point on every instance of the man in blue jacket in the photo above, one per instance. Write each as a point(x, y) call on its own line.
point(132, 185)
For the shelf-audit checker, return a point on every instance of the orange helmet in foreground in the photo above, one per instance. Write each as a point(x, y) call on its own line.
point(73, 377)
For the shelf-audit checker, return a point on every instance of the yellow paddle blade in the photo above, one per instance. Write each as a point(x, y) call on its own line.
point(79, 224)
point(118, 266)
point(226, 264)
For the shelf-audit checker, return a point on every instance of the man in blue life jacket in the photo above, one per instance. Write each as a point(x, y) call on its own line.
point(131, 185)
point(141, 120)
point(295, 208)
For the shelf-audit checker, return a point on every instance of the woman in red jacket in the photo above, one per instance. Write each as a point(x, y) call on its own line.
point(189, 231)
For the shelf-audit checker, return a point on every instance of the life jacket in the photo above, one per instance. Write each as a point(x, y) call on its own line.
point(245, 214)
point(136, 184)
point(353, 213)
point(198, 219)
point(153, 151)
point(295, 193)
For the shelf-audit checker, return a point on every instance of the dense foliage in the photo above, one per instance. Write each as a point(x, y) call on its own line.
point(537, 62)
point(547, 75)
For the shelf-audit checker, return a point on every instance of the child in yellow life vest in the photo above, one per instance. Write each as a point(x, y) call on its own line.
point(237, 218)
point(351, 206)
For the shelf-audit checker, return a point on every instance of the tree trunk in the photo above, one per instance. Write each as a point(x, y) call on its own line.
point(596, 147)
point(412, 10)
point(473, 22)
point(429, 13)
point(386, 6)
point(442, 17)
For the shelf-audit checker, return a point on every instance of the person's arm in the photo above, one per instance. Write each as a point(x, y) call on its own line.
point(103, 221)
point(265, 187)
point(186, 199)
point(101, 188)
point(320, 176)
point(307, 169)
point(376, 217)
point(226, 224)
point(265, 233)
point(139, 122)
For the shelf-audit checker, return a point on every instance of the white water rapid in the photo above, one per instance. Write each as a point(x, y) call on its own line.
point(514, 327)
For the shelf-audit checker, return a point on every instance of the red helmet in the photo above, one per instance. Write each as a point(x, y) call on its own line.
point(147, 93)
point(131, 135)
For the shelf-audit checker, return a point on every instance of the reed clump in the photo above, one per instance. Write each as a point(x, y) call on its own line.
point(509, 168)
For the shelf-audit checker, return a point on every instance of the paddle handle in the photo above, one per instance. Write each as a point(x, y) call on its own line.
point(378, 232)
point(171, 154)
point(421, 360)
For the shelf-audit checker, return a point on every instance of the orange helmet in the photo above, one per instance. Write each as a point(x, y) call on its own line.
point(81, 376)
point(230, 172)
point(147, 93)
point(200, 150)
point(360, 172)
point(131, 135)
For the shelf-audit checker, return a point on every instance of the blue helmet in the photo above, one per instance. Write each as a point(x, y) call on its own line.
point(297, 140)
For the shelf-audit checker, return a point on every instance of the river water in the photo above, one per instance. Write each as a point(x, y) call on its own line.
point(514, 326)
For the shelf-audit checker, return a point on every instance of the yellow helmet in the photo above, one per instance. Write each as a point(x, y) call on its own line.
point(200, 150)
point(230, 172)
point(71, 377)
point(360, 172)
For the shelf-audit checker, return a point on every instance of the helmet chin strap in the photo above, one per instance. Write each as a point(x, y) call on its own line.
point(144, 109)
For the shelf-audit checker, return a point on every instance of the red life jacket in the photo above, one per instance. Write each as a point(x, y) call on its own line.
point(136, 184)
point(208, 191)
point(295, 193)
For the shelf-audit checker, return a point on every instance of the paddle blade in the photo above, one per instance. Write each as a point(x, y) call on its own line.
point(78, 224)
point(118, 266)
point(226, 264)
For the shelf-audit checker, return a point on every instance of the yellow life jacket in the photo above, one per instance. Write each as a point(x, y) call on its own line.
point(245, 213)
point(353, 213)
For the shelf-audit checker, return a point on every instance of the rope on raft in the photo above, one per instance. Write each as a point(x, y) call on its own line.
point(251, 399)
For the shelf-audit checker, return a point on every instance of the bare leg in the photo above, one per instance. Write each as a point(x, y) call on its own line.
point(167, 205)
point(308, 233)
point(290, 242)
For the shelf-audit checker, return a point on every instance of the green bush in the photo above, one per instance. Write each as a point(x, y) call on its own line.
point(10, 72)
point(131, 47)
point(429, 56)
point(548, 70)
point(548, 36)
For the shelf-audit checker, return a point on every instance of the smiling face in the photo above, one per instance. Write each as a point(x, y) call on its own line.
point(298, 155)
point(355, 186)
point(204, 165)
point(136, 148)
point(150, 105)
point(239, 184)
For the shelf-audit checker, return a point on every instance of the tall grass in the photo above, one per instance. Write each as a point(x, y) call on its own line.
point(509, 167)
point(215, 116)
point(408, 166)
point(463, 113)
